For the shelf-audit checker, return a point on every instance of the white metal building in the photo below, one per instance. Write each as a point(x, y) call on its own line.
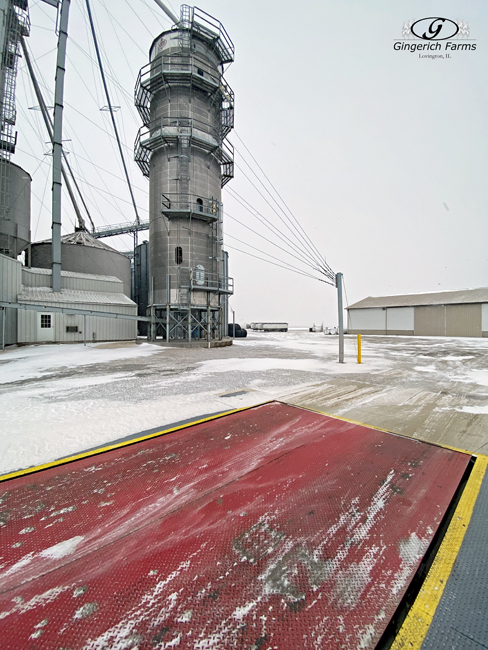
point(31, 288)
point(444, 313)
point(10, 285)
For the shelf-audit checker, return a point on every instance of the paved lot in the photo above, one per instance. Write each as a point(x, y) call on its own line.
point(59, 400)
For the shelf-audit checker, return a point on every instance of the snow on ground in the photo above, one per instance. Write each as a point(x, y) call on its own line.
point(58, 400)
point(36, 361)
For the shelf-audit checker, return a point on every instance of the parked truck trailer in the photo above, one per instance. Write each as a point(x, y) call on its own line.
point(269, 327)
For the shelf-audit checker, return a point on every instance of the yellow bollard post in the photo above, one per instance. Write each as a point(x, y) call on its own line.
point(359, 348)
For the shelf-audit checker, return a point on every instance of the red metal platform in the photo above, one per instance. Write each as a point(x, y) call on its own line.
point(273, 527)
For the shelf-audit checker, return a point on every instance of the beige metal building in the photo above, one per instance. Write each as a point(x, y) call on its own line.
point(444, 313)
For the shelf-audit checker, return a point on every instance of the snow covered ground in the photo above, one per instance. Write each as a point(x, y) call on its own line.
point(56, 400)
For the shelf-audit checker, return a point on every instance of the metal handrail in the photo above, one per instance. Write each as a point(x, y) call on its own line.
point(174, 64)
point(209, 27)
point(175, 202)
point(198, 279)
point(172, 126)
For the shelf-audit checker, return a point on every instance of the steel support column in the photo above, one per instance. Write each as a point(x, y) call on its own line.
point(341, 317)
point(58, 144)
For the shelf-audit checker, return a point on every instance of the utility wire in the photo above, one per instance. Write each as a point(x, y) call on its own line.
point(308, 249)
point(327, 268)
point(294, 232)
point(49, 126)
point(272, 228)
point(300, 259)
point(288, 265)
point(112, 20)
point(139, 19)
point(260, 217)
point(113, 79)
point(281, 199)
point(111, 109)
point(308, 275)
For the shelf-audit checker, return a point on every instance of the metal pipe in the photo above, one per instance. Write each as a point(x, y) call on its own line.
point(49, 127)
point(233, 324)
point(168, 299)
point(341, 316)
point(58, 145)
point(4, 312)
point(208, 319)
point(84, 329)
point(95, 41)
point(167, 11)
point(153, 337)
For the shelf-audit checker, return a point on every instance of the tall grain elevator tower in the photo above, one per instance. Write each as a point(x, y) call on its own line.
point(188, 110)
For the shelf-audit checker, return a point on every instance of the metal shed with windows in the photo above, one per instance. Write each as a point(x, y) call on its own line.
point(55, 327)
point(31, 312)
point(444, 313)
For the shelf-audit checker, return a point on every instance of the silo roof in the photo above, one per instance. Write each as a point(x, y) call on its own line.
point(423, 299)
point(83, 238)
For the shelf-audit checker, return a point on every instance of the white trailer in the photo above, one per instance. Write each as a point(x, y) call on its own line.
point(269, 327)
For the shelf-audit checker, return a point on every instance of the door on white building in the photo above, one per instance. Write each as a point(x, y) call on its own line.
point(45, 327)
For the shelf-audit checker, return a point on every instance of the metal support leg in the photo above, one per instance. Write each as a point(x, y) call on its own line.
point(152, 336)
point(3, 328)
point(168, 300)
point(208, 320)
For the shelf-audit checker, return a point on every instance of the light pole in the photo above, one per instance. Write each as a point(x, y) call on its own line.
point(341, 316)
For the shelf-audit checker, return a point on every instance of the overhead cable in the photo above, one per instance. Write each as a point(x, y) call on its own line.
point(111, 109)
point(308, 275)
point(266, 222)
point(288, 265)
point(308, 248)
point(300, 259)
point(49, 126)
point(304, 234)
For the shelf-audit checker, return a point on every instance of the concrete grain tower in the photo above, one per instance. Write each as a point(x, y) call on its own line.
point(188, 110)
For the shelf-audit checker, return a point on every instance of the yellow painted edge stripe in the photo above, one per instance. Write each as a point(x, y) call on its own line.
point(395, 433)
point(101, 450)
point(418, 620)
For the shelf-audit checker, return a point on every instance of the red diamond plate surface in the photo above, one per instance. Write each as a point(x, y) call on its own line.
point(270, 528)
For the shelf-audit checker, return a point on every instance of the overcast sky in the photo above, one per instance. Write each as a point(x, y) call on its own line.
point(382, 155)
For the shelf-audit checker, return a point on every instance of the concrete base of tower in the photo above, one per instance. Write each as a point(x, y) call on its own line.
point(195, 343)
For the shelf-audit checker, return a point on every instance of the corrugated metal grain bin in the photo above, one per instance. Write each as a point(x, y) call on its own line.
point(82, 253)
point(15, 232)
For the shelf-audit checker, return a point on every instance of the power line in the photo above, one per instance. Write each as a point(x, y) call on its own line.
point(111, 109)
point(270, 242)
point(308, 275)
point(288, 265)
point(308, 249)
point(268, 224)
point(280, 197)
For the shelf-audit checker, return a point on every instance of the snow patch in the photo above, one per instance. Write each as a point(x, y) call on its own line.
point(62, 549)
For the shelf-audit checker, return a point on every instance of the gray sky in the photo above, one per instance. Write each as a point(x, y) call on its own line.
point(381, 155)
